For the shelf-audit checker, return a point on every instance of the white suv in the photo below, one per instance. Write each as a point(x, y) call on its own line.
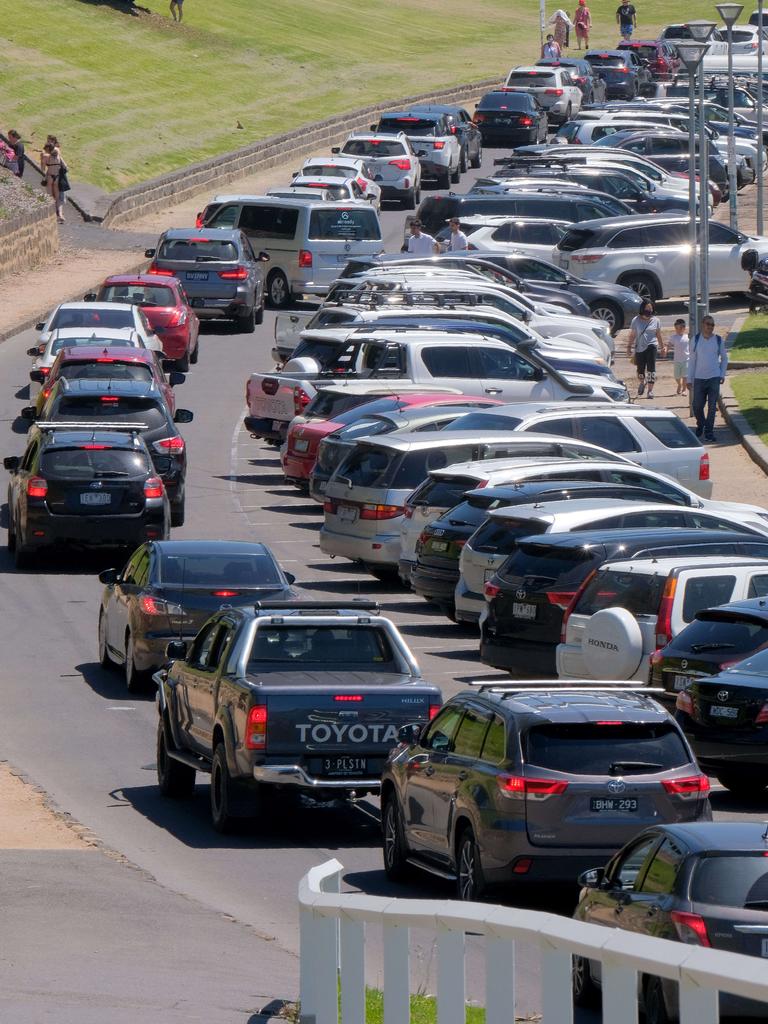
point(533, 236)
point(625, 611)
point(320, 167)
point(552, 88)
point(393, 161)
point(434, 141)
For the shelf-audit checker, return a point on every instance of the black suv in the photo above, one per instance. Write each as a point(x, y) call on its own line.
point(132, 402)
point(510, 118)
point(547, 573)
point(462, 125)
point(624, 74)
point(90, 488)
point(533, 784)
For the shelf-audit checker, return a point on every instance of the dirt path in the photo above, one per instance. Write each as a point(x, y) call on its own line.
point(28, 823)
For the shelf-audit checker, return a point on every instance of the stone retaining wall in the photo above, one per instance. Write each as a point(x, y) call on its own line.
point(28, 240)
point(152, 195)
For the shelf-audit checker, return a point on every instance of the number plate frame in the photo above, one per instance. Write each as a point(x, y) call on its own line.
point(524, 610)
point(96, 498)
point(344, 764)
point(598, 804)
point(196, 275)
point(723, 711)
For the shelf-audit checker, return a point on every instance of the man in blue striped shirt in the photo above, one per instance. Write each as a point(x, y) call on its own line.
point(707, 364)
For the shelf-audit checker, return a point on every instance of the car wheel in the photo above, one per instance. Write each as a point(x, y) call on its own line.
point(135, 680)
point(444, 180)
point(568, 113)
point(746, 786)
point(11, 542)
point(409, 203)
point(227, 798)
point(105, 658)
point(469, 878)
point(463, 166)
point(22, 557)
point(609, 313)
point(393, 841)
point(385, 573)
point(585, 992)
point(247, 324)
point(477, 159)
point(655, 1007)
point(196, 354)
point(177, 513)
point(174, 779)
point(278, 290)
point(258, 315)
point(644, 285)
point(183, 364)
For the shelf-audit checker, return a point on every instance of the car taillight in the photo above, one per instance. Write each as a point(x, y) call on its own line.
point(46, 391)
point(526, 121)
point(238, 274)
point(224, 593)
point(256, 728)
point(153, 487)
point(401, 165)
point(688, 788)
point(37, 487)
point(300, 400)
point(380, 511)
point(518, 788)
point(553, 92)
point(621, 71)
point(433, 709)
point(407, 511)
point(491, 590)
point(560, 598)
point(305, 258)
point(438, 144)
point(762, 715)
point(586, 257)
point(684, 702)
point(664, 620)
point(690, 928)
point(177, 318)
point(45, 370)
point(704, 467)
point(169, 445)
point(154, 269)
point(153, 605)
point(329, 505)
point(478, 118)
point(199, 219)
point(355, 697)
point(572, 604)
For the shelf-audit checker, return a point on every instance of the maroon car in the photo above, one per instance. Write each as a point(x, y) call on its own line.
point(662, 57)
point(166, 307)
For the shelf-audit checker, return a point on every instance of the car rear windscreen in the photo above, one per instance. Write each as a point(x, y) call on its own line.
point(219, 569)
point(198, 250)
point(91, 318)
point(365, 428)
point(93, 340)
point(639, 593)
point(587, 748)
point(105, 407)
point(287, 647)
point(732, 880)
point(446, 492)
point(326, 404)
point(329, 171)
point(646, 52)
point(410, 125)
point(532, 79)
point(731, 636)
point(606, 60)
point(374, 147)
point(505, 101)
point(323, 352)
point(543, 565)
point(92, 463)
point(112, 370)
point(142, 294)
point(343, 224)
point(499, 536)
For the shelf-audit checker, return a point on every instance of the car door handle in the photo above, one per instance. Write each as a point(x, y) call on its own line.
point(493, 391)
point(462, 776)
point(429, 770)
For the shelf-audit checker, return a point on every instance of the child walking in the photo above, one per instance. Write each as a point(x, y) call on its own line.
point(680, 352)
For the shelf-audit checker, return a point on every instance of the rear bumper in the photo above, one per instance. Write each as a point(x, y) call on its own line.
point(721, 749)
point(562, 866)
point(469, 605)
point(503, 133)
point(519, 657)
point(95, 531)
point(398, 191)
point(440, 586)
point(208, 308)
point(297, 467)
point(296, 775)
point(619, 90)
point(272, 430)
point(381, 549)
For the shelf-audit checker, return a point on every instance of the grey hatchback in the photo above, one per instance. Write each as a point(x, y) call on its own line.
point(219, 271)
point(534, 782)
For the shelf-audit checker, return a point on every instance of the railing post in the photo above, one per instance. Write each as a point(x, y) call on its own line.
point(397, 1000)
point(307, 975)
point(352, 971)
point(450, 977)
point(499, 980)
point(698, 1005)
point(556, 993)
point(619, 985)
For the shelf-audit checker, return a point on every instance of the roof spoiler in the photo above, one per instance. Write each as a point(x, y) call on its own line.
point(567, 685)
point(355, 604)
point(100, 425)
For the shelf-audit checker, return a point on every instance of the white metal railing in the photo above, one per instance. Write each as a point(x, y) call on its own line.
point(332, 951)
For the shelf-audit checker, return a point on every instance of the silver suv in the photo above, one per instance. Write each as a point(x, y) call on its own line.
point(394, 162)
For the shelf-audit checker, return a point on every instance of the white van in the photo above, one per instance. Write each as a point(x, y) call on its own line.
point(308, 242)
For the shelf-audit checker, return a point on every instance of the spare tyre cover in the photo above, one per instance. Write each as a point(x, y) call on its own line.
point(612, 644)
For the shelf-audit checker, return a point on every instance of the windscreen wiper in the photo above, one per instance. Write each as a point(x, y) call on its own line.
point(633, 766)
point(712, 646)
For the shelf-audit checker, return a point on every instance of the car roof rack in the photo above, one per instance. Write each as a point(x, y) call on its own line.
point(308, 607)
point(87, 426)
point(564, 685)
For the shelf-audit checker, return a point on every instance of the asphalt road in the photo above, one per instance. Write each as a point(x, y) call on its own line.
point(71, 726)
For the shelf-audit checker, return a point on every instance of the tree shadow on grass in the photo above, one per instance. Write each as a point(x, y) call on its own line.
point(122, 6)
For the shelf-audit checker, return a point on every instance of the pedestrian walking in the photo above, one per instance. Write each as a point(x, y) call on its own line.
point(55, 174)
point(582, 21)
point(680, 351)
point(626, 19)
point(457, 240)
point(177, 9)
point(18, 147)
point(707, 364)
point(420, 243)
point(8, 157)
point(551, 50)
point(563, 25)
point(645, 342)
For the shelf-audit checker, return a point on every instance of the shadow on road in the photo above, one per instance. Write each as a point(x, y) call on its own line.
point(110, 683)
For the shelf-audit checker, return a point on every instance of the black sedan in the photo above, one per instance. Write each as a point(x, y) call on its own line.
point(725, 716)
point(166, 591)
point(705, 884)
point(462, 125)
point(510, 118)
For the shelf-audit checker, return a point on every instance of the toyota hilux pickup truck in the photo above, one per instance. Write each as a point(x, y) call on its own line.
point(287, 695)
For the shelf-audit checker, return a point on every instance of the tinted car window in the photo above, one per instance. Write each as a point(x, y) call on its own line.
point(415, 466)
point(134, 410)
point(439, 735)
point(90, 463)
point(148, 295)
point(448, 362)
point(563, 426)
point(732, 880)
point(93, 318)
point(367, 467)
point(629, 866)
point(92, 340)
point(544, 564)
point(671, 431)
point(483, 421)
point(471, 733)
point(335, 224)
point(364, 428)
point(269, 221)
point(374, 147)
point(662, 871)
point(444, 493)
point(666, 234)
point(504, 364)
point(246, 569)
point(758, 586)
point(706, 592)
point(505, 101)
point(584, 748)
point(630, 238)
point(115, 371)
point(629, 479)
point(499, 536)
point(638, 593)
point(495, 742)
point(538, 269)
point(577, 238)
point(411, 125)
point(288, 645)
point(190, 250)
point(731, 635)
point(606, 432)
point(719, 234)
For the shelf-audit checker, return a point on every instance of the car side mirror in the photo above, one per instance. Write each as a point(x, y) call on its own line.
point(264, 257)
point(29, 412)
point(539, 373)
point(12, 463)
point(149, 253)
point(89, 297)
point(37, 376)
point(35, 350)
point(592, 879)
point(527, 316)
point(335, 149)
point(409, 733)
point(749, 260)
point(109, 577)
point(183, 416)
point(290, 577)
point(176, 650)
point(40, 326)
point(373, 127)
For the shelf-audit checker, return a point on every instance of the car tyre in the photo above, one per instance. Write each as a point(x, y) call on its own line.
point(409, 203)
point(463, 165)
point(105, 658)
point(469, 876)
point(455, 176)
point(655, 1007)
point(227, 798)
point(609, 313)
point(444, 180)
point(394, 850)
point(585, 992)
point(196, 354)
point(247, 324)
point(11, 542)
point(182, 364)
point(174, 779)
point(385, 573)
point(177, 513)
point(747, 787)
point(258, 315)
point(135, 680)
point(278, 290)
point(22, 557)
point(644, 285)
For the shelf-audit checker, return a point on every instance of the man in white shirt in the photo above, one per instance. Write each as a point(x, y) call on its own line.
point(420, 243)
point(457, 241)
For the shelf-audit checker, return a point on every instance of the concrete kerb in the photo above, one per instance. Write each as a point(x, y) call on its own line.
point(148, 196)
point(733, 416)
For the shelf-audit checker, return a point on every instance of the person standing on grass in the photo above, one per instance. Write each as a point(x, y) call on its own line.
point(680, 351)
point(626, 19)
point(582, 21)
point(177, 9)
point(645, 340)
point(707, 364)
point(18, 147)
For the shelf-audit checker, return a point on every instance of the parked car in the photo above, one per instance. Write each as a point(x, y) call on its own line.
point(512, 785)
point(510, 118)
point(624, 75)
point(437, 147)
point(661, 56)
point(553, 88)
point(166, 307)
point(582, 73)
point(466, 130)
point(536, 236)
point(394, 162)
point(704, 884)
point(625, 612)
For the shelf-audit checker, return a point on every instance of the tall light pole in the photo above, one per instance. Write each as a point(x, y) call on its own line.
point(701, 32)
point(760, 150)
point(691, 54)
point(729, 13)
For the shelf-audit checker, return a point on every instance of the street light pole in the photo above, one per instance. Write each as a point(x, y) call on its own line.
point(729, 12)
point(760, 150)
point(701, 31)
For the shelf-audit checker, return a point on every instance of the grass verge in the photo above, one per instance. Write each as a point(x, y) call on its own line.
point(133, 96)
point(751, 391)
point(751, 345)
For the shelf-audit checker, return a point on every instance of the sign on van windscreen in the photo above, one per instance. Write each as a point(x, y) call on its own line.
point(345, 224)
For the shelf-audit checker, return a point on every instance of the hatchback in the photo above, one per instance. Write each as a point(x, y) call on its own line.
point(525, 784)
point(553, 88)
point(461, 124)
point(219, 272)
point(90, 317)
point(510, 118)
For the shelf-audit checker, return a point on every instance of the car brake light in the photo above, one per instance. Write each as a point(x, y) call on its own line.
point(170, 444)
point(664, 620)
point(256, 728)
point(684, 702)
point(586, 258)
point(224, 593)
point(433, 709)
point(177, 317)
point(378, 512)
point(560, 598)
point(305, 258)
point(401, 165)
point(45, 370)
point(37, 487)
point(762, 715)
point(518, 788)
point(199, 219)
point(153, 487)
point(704, 466)
point(109, 398)
point(348, 697)
point(438, 144)
point(300, 400)
point(152, 605)
point(688, 788)
point(553, 92)
point(154, 269)
point(690, 928)
point(238, 274)
point(526, 121)
point(491, 590)
point(573, 602)
point(362, 183)
point(103, 359)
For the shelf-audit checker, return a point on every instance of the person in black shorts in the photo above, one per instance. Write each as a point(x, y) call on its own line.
point(177, 9)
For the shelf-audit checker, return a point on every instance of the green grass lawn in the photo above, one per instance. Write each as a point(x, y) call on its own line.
point(751, 391)
point(423, 1009)
point(752, 342)
point(132, 97)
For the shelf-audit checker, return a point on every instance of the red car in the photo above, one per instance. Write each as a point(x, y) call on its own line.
point(113, 363)
point(662, 57)
point(166, 308)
